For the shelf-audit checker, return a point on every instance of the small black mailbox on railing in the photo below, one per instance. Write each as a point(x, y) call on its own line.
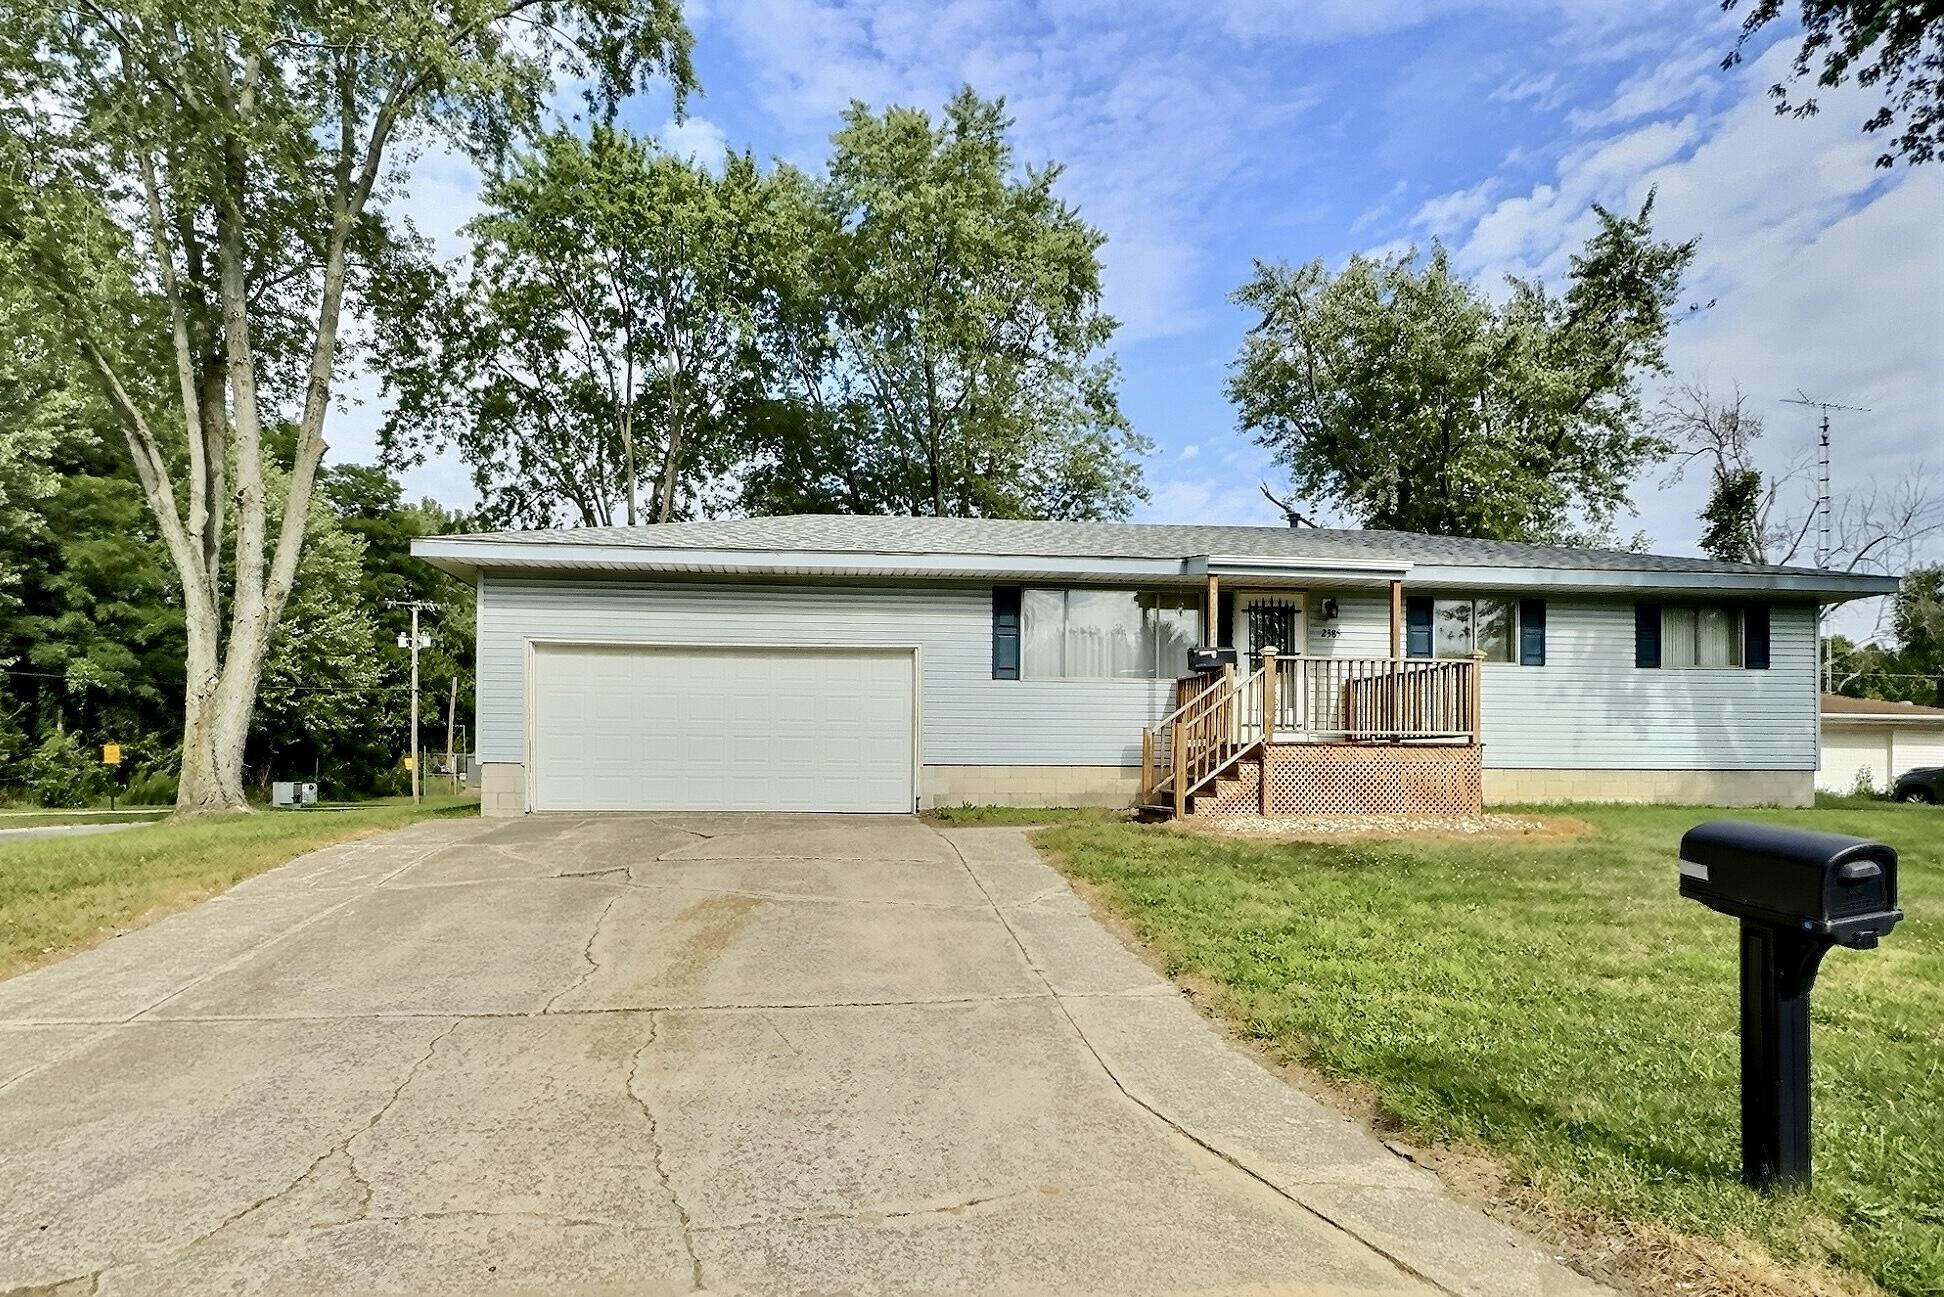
point(1207, 658)
point(1797, 893)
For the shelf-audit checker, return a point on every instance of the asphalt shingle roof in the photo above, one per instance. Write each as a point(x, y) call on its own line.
point(841, 533)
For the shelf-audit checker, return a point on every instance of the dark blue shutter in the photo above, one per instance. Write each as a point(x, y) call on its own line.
point(1755, 637)
point(1532, 632)
point(1417, 627)
point(1647, 628)
point(1005, 632)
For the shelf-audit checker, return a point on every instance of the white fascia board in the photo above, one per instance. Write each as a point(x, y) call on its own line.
point(451, 552)
point(1317, 569)
point(1830, 587)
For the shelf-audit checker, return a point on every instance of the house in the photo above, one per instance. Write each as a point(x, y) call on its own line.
point(1868, 741)
point(882, 664)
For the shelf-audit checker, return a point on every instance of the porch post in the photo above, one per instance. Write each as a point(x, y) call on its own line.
point(1213, 625)
point(1268, 726)
point(1477, 687)
point(1269, 694)
point(1397, 620)
point(1147, 765)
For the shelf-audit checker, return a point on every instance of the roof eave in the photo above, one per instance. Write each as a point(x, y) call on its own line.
point(1829, 587)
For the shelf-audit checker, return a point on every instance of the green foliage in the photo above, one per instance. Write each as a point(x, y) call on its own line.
point(1895, 44)
point(603, 338)
point(157, 788)
point(958, 342)
point(1399, 393)
point(1731, 520)
point(917, 332)
point(1911, 667)
point(62, 772)
point(1555, 1002)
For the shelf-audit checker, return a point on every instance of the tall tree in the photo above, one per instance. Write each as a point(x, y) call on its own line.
point(194, 189)
point(1895, 44)
point(1741, 519)
point(951, 354)
point(605, 322)
point(1398, 392)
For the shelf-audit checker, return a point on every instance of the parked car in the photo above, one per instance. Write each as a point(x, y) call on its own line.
point(1921, 785)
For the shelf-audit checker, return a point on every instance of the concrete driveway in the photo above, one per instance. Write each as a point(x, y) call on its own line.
point(672, 1054)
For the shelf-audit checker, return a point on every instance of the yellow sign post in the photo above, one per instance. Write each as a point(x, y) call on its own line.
point(111, 757)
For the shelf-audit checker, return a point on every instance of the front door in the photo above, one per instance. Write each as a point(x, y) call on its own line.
point(1269, 621)
point(1274, 621)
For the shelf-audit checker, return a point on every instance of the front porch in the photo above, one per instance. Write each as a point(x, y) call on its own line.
point(1301, 735)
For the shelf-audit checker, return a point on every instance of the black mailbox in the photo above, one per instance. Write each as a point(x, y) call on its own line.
point(1797, 893)
point(1208, 658)
point(1840, 887)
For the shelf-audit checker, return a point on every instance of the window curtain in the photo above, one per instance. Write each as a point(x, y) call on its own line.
point(1717, 638)
point(1678, 638)
point(1106, 634)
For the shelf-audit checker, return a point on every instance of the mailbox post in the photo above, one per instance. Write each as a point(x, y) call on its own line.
point(1797, 893)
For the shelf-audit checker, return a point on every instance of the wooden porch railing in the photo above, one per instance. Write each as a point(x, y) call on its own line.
point(1201, 738)
point(1220, 718)
point(1376, 699)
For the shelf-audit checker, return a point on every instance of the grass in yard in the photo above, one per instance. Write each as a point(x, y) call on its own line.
point(43, 819)
point(60, 894)
point(1558, 1004)
point(972, 816)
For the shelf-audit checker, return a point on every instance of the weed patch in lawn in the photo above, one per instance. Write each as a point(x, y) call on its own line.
point(1557, 1004)
point(62, 894)
point(973, 816)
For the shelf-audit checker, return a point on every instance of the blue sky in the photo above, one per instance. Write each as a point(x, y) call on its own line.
point(1201, 136)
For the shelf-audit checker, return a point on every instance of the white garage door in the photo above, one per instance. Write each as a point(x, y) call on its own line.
point(760, 729)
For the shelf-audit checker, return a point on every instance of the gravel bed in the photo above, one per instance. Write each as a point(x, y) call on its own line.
point(1338, 825)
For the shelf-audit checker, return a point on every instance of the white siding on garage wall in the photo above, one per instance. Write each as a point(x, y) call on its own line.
point(1851, 754)
point(1590, 708)
point(968, 717)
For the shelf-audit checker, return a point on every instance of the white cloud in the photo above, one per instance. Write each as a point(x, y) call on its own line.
point(696, 138)
point(1151, 143)
point(1826, 275)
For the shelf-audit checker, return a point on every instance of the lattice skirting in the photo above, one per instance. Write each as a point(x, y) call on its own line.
point(1353, 779)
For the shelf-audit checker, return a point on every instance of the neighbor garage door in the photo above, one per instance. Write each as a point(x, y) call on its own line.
point(633, 728)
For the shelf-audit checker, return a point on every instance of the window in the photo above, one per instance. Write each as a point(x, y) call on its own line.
point(1705, 637)
point(1460, 627)
point(1107, 634)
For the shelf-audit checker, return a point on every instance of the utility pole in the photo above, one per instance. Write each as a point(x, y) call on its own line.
point(415, 642)
point(1825, 540)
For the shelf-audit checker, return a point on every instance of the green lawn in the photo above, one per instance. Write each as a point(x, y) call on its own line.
point(60, 894)
point(43, 819)
point(1555, 1002)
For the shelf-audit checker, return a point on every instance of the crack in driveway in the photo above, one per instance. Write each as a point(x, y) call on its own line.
point(660, 1162)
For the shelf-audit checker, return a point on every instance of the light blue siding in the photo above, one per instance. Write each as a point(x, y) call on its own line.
point(1588, 708)
point(968, 717)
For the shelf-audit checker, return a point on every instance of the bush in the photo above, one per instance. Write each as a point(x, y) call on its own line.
point(1864, 786)
point(156, 788)
point(61, 772)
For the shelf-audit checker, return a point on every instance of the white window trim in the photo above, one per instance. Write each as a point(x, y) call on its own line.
point(1734, 610)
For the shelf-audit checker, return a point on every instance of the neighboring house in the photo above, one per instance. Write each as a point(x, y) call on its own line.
point(882, 664)
point(1866, 739)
